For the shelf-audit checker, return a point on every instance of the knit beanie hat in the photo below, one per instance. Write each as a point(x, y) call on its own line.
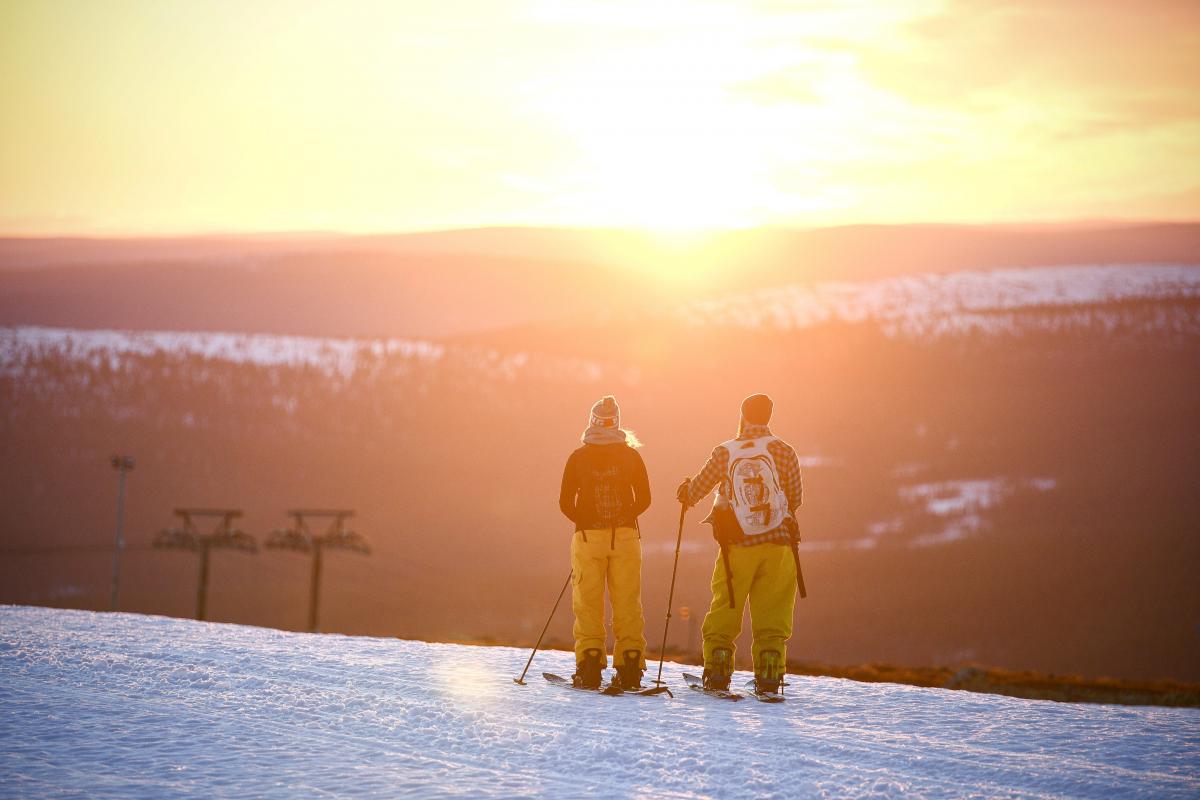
point(756, 409)
point(606, 413)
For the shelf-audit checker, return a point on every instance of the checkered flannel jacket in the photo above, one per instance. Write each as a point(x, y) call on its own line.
point(715, 474)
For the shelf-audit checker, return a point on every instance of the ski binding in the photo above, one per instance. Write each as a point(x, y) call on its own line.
point(696, 683)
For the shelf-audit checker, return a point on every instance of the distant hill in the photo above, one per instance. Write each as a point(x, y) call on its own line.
point(467, 282)
point(997, 432)
point(999, 467)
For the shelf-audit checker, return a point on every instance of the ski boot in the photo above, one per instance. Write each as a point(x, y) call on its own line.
point(629, 674)
point(588, 671)
point(719, 670)
point(769, 673)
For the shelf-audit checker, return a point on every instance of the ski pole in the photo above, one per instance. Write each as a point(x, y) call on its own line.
point(521, 680)
point(662, 650)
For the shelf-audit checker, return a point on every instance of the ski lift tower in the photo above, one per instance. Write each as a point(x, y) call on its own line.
point(122, 464)
point(300, 538)
point(190, 537)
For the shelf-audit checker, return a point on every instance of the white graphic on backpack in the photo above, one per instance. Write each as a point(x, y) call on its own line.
point(754, 492)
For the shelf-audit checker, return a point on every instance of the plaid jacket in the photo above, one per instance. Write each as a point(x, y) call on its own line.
point(715, 474)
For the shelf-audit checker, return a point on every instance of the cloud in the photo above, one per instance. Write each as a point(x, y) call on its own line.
point(1136, 61)
point(1180, 205)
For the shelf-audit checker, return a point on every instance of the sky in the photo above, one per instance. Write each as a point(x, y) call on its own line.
point(131, 117)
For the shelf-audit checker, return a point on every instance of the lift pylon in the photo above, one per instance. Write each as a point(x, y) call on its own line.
point(189, 537)
point(300, 537)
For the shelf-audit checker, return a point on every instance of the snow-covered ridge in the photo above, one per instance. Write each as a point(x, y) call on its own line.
point(123, 705)
point(939, 512)
point(959, 504)
point(340, 357)
point(335, 355)
point(954, 302)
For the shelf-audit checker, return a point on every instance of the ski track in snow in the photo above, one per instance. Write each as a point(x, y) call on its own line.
point(123, 705)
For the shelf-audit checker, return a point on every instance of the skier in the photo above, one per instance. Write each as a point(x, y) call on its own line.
point(604, 490)
point(759, 488)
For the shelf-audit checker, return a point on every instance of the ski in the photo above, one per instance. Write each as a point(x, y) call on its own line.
point(723, 694)
point(566, 683)
point(609, 690)
point(765, 697)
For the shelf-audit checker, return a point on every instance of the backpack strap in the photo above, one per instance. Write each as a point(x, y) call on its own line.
point(799, 574)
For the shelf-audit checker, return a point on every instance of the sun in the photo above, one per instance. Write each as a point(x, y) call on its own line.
point(660, 144)
point(704, 133)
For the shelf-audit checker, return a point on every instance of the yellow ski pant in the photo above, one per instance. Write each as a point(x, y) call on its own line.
point(612, 558)
point(766, 574)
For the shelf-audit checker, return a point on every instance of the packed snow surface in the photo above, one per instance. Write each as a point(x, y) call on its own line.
point(122, 705)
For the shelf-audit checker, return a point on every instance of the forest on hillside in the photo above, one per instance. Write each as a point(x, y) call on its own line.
point(1024, 501)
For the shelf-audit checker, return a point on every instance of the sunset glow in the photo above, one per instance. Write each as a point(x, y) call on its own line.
point(169, 117)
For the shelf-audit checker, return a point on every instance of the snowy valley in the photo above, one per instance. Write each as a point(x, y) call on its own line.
point(972, 442)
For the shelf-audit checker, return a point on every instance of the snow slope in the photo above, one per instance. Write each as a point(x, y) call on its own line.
point(121, 705)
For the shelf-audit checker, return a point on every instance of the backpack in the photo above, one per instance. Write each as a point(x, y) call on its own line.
point(605, 486)
point(752, 486)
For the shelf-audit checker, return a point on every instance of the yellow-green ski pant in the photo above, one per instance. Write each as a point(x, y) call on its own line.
point(766, 574)
point(602, 558)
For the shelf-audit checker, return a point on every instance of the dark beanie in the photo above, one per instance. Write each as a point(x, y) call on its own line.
point(756, 409)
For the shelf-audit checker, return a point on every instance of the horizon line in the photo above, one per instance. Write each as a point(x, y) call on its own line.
point(1065, 224)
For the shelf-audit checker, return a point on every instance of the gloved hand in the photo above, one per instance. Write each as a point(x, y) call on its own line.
point(681, 493)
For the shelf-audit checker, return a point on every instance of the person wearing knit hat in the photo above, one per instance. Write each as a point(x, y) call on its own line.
point(759, 488)
point(604, 491)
